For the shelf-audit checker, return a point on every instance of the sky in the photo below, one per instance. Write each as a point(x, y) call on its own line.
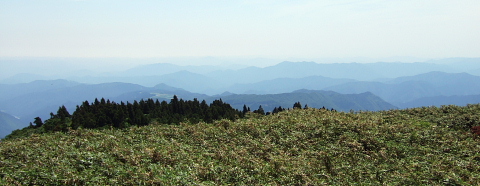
point(280, 29)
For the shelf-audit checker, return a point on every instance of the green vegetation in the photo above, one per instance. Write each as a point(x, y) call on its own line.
point(420, 146)
point(104, 114)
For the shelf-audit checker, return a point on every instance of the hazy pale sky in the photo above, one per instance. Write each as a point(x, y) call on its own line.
point(252, 28)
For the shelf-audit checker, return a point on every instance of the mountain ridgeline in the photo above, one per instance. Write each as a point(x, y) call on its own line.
point(313, 98)
point(342, 86)
point(39, 98)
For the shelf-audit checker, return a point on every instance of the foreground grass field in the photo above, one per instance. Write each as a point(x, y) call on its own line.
point(423, 146)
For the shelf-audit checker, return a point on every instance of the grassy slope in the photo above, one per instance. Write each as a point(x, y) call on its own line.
point(294, 147)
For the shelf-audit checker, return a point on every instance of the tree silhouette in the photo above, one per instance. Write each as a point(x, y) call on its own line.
point(38, 122)
point(297, 105)
point(260, 110)
point(245, 109)
point(106, 113)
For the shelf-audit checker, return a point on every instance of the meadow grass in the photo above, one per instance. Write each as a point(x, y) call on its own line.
point(294, 147)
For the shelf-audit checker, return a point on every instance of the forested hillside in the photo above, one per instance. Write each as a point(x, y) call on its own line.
point(106, 114)
point(419, 146)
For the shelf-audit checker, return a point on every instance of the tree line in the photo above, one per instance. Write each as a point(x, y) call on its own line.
point(109, 114)
point(106, 113)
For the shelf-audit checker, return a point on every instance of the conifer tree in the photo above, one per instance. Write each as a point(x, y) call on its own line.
point(297, 105)
point(62, 113)
point(275, 110)
point(38, 122)
point(96, 102)
point(260, 110)
point(245, 109)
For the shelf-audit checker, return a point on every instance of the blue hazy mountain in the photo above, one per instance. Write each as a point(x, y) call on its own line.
point(49, 95)
point(312, 98)
point(167, 68)
point(30, 104)
point(8, 123)
point(296, 70)
point(23, 78)
point(8, 91)
point(282, 85)
point(217, 79)
point(441, 100)
point(457, 64)
point(401, 84)
point(407, 89)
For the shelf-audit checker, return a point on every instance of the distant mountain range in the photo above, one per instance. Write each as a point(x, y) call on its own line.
point(283, 85)
point(404, 90)
point(8, 123)
point(342, 86)
point(30, 103)
point(312, 98)
point(441, 100)
point(217, 79)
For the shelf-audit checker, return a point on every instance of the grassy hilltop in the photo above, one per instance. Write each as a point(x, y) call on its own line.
point(421, 146)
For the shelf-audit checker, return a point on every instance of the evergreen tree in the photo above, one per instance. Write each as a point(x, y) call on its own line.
point(118, 118)
point(96, 102)
point(297, 105)
point(245, 109)
point(207, 115)
point(175, 104)
point(260, 110)
point(38, 122)
point(275, 110)
point(62, 113)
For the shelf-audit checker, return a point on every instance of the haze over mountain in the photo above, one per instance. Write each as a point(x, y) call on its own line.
point(312, 98)
point(355, 86)
point(441, 100)
point(28, 70)
point(407, 89)
point(8, 123)
point(283, 85)
point(32, 103)
point(40, 98)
